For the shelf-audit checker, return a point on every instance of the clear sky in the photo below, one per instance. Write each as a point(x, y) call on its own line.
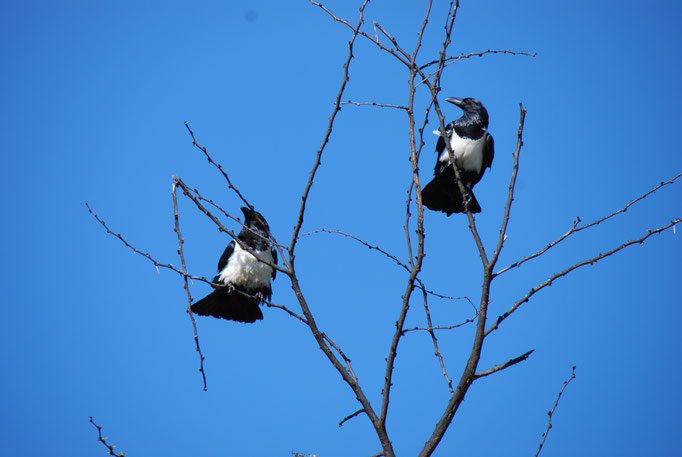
point(94, 96)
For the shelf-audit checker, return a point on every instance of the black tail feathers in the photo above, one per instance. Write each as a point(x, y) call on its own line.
point(231, 305)
point(442, 194)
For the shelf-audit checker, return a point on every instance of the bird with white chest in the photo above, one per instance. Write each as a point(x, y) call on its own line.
point(245, 270)
point(473, 149)
point(244, 274)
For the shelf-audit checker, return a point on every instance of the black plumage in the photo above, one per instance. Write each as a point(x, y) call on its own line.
point(245, 279)
point(473, 149)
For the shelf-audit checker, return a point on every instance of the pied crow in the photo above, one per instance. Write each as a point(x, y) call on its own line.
point(473, 149)
point(240, 273)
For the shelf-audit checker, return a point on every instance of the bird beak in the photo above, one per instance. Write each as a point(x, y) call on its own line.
point(455, 101)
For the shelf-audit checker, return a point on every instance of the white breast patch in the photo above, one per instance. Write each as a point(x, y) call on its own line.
point(468, 153)
point(243, 269)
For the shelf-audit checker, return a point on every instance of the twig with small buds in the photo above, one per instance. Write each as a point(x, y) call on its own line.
point(181, 253)
point(103, 440)
point(551, 412)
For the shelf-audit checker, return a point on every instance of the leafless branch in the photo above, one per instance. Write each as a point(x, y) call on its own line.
point(387, 254)
point(393, 40)
point(406, 226)
point(434, 340)
point(103, 440)
point(589, 261)
point(510, 195)
point(211, 202)
point(144, 254)
point(181, 253)
point(373, 39)
point(381, 105)
point(343, 356)
point(323, 343)
point(575, 228)
point(415, 262)
point(361, 241)
point(328, 133)
point(218, 166)
point(187, 191)
point(182, 273)
point(551, 412)
point(350, 416)
point(285, 309)
point(504, 365)
point(444, 327)
point(451, 59)
point(332, 351)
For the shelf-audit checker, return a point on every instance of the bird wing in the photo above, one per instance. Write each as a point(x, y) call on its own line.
point(226, 255)
point(273, 251)
point(440, 144)
point(489, 152)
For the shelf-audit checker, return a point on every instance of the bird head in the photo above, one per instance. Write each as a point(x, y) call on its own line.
point(255, 220)
point(471, 107)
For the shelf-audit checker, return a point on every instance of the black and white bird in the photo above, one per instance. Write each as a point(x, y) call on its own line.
point(473, 149)
point(245, 279)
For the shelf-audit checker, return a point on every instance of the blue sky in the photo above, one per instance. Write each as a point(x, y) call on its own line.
point(94, 99)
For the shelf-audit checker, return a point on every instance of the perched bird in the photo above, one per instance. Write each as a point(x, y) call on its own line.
point(473, 149)
point(242, 273)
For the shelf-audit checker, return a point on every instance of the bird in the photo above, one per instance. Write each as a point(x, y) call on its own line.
point(244, 279)
point(473, 149)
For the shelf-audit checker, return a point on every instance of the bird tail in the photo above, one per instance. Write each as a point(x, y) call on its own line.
point(230, 305)
point(442, 194)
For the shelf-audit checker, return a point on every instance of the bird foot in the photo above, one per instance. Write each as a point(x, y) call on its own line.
point(259, 296)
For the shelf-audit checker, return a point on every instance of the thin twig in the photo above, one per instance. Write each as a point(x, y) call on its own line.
point(287, 310)
point(103, 440)
point(181, 253)
point(361, 241)
point(187, 191)
point(181, 272)
point(504, 365)
point(576, 229)
point(589, 261)
point(406, 226)
point(434, 340)
point(218, 166)
point(442, 327)
point(381, 105)
point(415, 262)
point(450, 59)
point(387, 254)
point(373, 39)
point(319, 336)
point(350, 416)
point(551, 412)
point(510, 195)
point(349, 367)
point(144, 254)
point(195, 191)
point(328, 133)
point(393, 39)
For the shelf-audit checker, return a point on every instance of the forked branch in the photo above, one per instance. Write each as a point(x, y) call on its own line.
point(589, 261)
point(577, 228)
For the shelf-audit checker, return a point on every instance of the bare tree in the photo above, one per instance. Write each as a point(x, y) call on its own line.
point(424, 73)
